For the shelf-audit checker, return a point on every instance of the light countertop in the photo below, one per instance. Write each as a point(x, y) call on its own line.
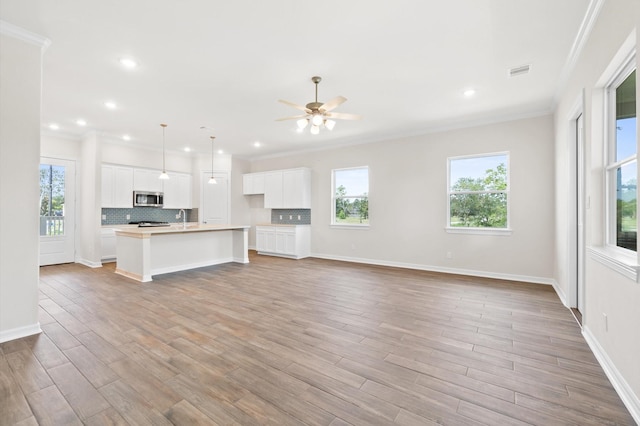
point(282, 224)
point(174, 228)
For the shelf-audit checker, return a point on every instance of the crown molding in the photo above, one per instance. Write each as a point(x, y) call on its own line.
point(20, 33)
point(589, 20)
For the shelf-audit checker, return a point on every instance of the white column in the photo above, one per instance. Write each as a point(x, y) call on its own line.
point(20, 98)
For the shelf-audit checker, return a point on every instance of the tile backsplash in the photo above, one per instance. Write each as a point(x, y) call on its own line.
point(137, 214)
point(290, 216)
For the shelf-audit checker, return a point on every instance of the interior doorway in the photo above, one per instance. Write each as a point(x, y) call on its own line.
point(580, 207)
point(57, 211)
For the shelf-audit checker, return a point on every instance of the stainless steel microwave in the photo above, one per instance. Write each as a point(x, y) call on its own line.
point(148, 199)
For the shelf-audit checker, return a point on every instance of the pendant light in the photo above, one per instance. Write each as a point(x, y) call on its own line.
point(212, 180)
point(164, 174)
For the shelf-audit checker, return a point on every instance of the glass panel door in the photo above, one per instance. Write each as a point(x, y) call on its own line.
point(57, 211)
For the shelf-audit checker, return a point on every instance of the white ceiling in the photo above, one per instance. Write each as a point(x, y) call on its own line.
point(403, 65)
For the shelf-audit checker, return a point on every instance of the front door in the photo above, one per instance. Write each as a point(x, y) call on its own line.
point(215, 198)
point(57, 211)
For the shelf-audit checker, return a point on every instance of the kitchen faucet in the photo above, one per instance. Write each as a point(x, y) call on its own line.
point(184, 218)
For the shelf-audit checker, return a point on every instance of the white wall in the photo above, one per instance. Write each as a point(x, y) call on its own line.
point(408, 202)
point(53, 146)
point(118, 153)
point(20, 87)
point(606, 291)
point(88, 202)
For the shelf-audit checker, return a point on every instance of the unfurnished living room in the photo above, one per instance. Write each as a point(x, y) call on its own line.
point(340, 213)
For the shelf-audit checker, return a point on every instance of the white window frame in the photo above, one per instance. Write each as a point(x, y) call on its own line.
point(479, 231)
point(625, 262)
point(335, 224)
point(611, 164)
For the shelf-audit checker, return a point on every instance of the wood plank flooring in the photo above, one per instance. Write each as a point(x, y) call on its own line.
point(285, 342)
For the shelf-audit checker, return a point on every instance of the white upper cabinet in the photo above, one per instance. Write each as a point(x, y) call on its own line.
point(296, 189)
point(177, 191)
point(253, 183)
point(273, 189)
point(147, 180)
point(117, 186)
point(287, 189)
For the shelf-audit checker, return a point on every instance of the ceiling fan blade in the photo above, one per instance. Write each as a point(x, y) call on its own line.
point(293, 117)
point(300, 107)
point(331, 104)
point(342, 116)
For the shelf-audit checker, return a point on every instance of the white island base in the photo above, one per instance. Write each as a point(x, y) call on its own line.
point(144, 252)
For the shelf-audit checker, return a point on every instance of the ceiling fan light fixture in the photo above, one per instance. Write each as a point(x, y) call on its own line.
point(302, 123)
point(329, 124)
point(317, 119)
point(314, 130)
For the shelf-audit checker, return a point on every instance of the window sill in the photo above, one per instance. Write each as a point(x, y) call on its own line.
point(479, 231)
point(360, 227)
point(621, 262)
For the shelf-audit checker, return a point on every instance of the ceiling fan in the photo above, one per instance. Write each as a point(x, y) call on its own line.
point(318, 113)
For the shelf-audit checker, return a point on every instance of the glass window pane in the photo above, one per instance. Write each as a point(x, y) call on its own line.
point(478, 173)
point(51, 200)
point(626, 206)
point(351, 182)
point(626, 118)
point(352, 211)
point(478, 210)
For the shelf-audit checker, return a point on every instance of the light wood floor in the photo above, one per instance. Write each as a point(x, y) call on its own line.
point(288, 342)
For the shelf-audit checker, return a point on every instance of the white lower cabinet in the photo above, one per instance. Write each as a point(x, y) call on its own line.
point(284, 240)
point(108, 244)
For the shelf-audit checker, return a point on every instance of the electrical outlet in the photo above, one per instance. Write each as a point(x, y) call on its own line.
point(298, 217)
point(280, 217)
point(290, 217)
point(606, 322)
point(104, 217)
point(128, 216)
point(449, 255)
point(178, 216)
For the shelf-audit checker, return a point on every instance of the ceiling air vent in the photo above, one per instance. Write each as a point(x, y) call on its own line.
point(517, 71)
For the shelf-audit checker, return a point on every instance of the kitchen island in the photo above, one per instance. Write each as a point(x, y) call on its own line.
point(144, 252)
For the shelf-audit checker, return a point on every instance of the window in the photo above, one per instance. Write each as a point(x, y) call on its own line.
point(622, 167)
point(478, 191)
point(350, 197)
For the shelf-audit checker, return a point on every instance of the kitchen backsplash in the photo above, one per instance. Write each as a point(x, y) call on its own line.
point(290, 216)
point(137, 214)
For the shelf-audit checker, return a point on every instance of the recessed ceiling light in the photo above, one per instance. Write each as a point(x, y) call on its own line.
point(256, 144)
point(110, 105)
point(54, 126)
point(469, 92)
point(128, 63)
point(80, 122)
point(187, 149)
point(126, 137)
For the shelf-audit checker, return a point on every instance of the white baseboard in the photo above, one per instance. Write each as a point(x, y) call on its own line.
point(17, 333)
point(420, 267)
point(628, 397)
point(561, 294)
point(89, 263)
